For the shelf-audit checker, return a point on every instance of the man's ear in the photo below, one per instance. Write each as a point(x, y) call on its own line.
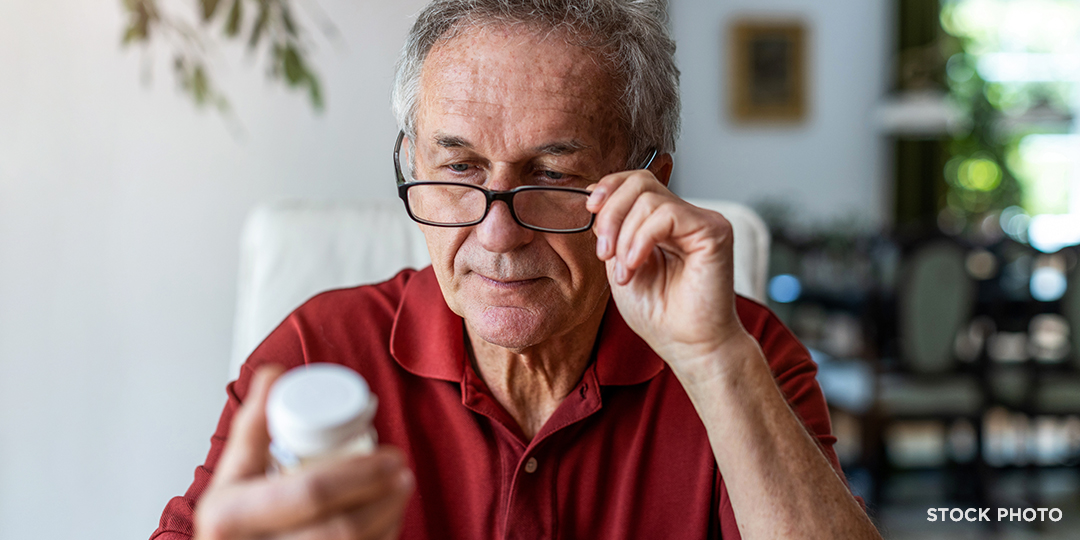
point(661, 168)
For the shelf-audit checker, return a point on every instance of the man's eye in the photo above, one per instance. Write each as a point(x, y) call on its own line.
point(554, 175)
point(459, 167)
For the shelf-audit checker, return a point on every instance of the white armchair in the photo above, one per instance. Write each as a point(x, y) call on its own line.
point(291, 250)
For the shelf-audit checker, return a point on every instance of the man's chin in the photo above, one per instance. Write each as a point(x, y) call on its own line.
point(513, 328)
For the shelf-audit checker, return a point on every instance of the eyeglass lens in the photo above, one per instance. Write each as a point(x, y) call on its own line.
point(459, 204)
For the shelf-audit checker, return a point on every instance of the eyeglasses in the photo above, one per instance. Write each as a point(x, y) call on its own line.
point(455, 204)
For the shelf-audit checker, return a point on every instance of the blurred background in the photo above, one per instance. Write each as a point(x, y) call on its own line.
point(917, 161)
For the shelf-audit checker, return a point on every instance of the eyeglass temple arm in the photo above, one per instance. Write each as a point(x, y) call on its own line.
point(652, 156)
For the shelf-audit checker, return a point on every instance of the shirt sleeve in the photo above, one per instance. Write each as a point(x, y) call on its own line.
point(282, 347)
point(796, 375)
point(177, 521)
point(289, 345)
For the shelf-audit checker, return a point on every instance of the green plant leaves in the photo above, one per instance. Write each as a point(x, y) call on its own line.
point(287, 21)
point(261, 22)
point(289, 62)
point(194, 79)
point(143, 14)
point(236, 14)
point(273, 21)
point(209, 7)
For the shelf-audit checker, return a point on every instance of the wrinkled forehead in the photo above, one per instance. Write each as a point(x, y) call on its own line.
point(505, 75)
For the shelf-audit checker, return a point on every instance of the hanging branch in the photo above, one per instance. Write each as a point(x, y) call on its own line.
point(272, 24)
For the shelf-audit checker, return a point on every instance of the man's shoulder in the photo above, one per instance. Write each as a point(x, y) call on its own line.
point(373, 299)
point(350, 326)
point(756, 317)
point(782, 348)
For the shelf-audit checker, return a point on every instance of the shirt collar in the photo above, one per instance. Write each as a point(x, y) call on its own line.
point(427, 339)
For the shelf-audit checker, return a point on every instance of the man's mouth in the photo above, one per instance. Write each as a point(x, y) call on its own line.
point(507, 283)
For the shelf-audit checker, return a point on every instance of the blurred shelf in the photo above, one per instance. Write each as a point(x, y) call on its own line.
point(919, 114)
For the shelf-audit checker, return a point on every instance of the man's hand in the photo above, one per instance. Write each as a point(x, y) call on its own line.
point(355, 498)
point(670, 268)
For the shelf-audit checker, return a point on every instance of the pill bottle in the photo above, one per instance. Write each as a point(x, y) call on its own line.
point(318, 411)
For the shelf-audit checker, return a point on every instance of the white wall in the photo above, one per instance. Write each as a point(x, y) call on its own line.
point(120, 212)
point(121, 206)
point(829, 167)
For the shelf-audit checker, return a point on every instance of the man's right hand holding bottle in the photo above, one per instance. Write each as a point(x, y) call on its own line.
point(356, 497)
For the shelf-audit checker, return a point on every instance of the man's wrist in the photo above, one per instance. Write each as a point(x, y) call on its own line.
point(729, 364)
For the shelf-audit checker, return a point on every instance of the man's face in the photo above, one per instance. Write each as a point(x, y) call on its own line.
point(519, 108)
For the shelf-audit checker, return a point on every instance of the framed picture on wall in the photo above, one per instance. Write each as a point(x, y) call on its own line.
point(768, 71)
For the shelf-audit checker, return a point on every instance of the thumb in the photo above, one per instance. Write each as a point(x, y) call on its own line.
point(245, 452)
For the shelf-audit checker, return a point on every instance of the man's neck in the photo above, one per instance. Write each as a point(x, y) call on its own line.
point(531, 383)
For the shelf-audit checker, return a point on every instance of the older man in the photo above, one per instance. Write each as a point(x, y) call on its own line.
point(551, 374)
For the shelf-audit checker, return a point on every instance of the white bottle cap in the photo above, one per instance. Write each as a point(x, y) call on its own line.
point(316, 408)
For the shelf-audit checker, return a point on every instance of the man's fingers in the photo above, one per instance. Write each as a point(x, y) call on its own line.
point(374, 521)
point(245, 453)
point(616, 194)
point(393, 534)
point(683, 228)
point(306, 496)
point(677, 228)
point(377, 522)
point(644, 208)
point(600, 190)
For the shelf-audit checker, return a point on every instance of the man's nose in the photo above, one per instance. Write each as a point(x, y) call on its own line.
point(499, 232)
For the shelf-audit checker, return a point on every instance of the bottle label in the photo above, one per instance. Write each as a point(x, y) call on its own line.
point(285, 460)
point(283, 456)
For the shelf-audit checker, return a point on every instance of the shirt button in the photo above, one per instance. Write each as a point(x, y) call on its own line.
point(530, 466)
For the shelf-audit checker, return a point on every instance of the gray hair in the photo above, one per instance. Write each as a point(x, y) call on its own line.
point(630, 35)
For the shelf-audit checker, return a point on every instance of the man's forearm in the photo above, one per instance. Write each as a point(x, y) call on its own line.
point(779, 482)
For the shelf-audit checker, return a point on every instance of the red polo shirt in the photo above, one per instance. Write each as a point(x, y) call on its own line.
point(624, 456)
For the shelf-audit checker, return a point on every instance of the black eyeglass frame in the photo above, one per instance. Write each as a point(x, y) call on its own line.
point(490, 196)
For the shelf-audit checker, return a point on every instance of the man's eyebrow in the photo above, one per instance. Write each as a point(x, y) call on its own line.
point(561, 148)
point(558, 148)
point(451, 141)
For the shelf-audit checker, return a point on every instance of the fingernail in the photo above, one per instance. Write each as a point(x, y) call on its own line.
point(405, 479)
point(390, 462)
point(620, 273)
point(602, 246)
point(597, 196)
